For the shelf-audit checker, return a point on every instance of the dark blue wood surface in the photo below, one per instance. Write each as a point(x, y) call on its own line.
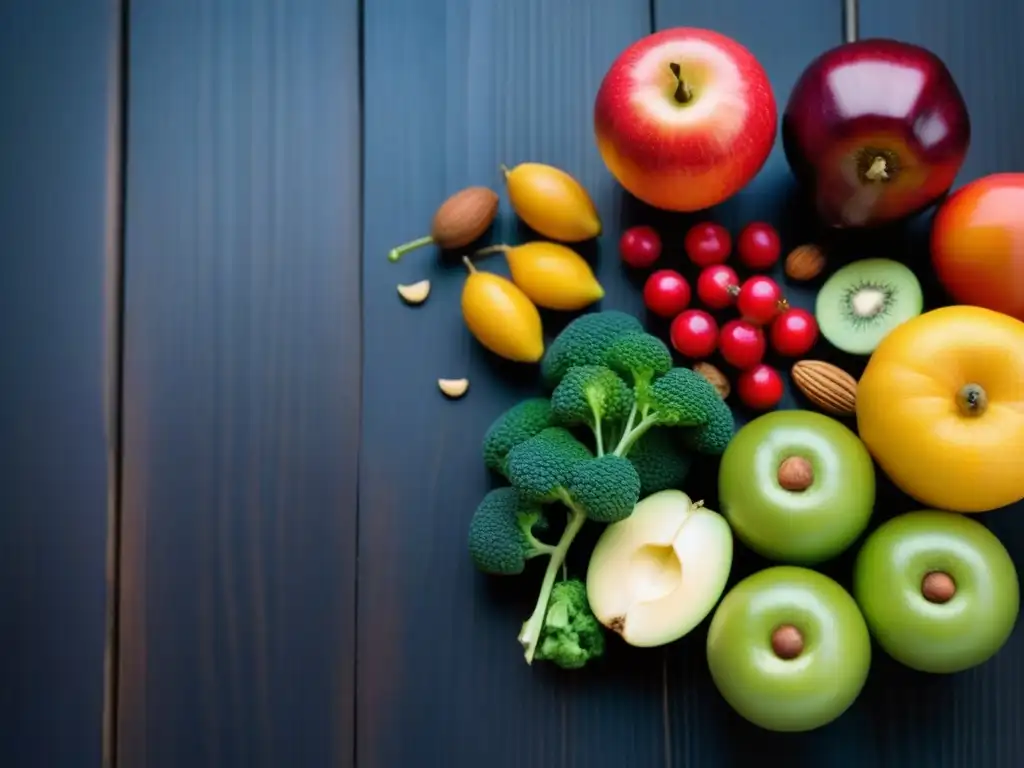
point(58, 238)
point(294, 590)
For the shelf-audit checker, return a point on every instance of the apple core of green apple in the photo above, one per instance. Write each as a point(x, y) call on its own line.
point(788, 649)
point(939, 591)
point(797, 486)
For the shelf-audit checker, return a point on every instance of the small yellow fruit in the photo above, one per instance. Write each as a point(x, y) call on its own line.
point(501, 316)
point(553, 276)
point(552, 203)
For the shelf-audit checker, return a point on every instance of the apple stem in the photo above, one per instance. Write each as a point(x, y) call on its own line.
point(531, 629)
point(683, 94)
point(396, 253)
point(878, 170)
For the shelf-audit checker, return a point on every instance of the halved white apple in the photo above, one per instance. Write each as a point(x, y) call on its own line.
point(656, 575)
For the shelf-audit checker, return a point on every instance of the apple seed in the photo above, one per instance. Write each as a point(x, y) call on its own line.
point(796, 474)
point(787, 642)
point(938, 587)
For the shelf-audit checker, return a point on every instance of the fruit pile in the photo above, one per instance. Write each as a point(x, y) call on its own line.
point(874, 132)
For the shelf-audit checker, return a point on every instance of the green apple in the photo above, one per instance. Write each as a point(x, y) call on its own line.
point(657, 574)
point(938, 590)
point(796, 486)
point(788, 649)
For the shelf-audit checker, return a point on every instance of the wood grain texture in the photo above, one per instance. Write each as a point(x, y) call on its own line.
point(241, 388)
point(454, 88)
point(58, 247)
point(971, 719)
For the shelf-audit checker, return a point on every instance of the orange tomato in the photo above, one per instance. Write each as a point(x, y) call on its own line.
point(977, 243)
point(940, 407)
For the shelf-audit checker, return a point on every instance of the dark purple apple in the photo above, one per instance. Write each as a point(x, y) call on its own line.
point(875, 130)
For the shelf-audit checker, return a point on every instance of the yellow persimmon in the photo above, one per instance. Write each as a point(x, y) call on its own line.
point(501, 316)
point(940, 407)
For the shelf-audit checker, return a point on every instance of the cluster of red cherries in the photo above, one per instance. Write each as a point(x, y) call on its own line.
point(764, 315)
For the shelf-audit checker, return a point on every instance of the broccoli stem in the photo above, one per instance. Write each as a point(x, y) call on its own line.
point(538, 547)
point(533, 626)
point(596, 429)
point(630, 436)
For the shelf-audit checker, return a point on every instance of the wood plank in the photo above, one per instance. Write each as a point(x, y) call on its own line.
point(453, 88)
point(704, 730)
point(58, 218)
point(972, 718)
point(241, 391)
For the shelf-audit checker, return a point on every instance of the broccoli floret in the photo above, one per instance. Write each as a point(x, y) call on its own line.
point(584, 341)
point(570, 635)
point(539, 467)
point(519, 423)
point(659, 461)
point(639, 358)
point(605, 488)
point(712, 437)
point(591, 395)
point(501, 537)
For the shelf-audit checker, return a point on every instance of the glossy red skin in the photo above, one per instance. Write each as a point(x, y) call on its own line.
point(741, 344)
point(760, 300)
point(977, 244)
point(760, 387)
point(694, 334)
point(677, 165)
point(640, 247)
point(666, 293)
point(875, 94)
point(794, 332)
point(758, 245)
point(707, 244)
point(717, 286)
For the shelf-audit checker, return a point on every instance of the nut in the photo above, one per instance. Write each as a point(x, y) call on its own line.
point(415, 293)
point(829, 388)
point(715, 376)
point(464, 217)
point(805, 262)
point(796, 474)
point(453, 388)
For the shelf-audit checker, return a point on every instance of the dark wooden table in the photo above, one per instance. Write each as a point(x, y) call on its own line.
point(233, 506)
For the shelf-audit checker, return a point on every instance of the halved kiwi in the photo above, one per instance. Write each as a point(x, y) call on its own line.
point(859, 304)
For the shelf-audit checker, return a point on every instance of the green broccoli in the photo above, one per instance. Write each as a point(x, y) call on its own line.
point(539, 467)
point(639, 358)
point(605, 488)
point(591, 395)
point(570, 635)
point(501, 537)
point(519, 423)
point(712, 437)
point(680, 398)
point(659, 461)
point(584, 341)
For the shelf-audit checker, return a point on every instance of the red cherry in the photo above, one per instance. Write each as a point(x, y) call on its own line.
point(694, 334)
point(760, 300)
point(742, 344)
point(758, 245)
point(759, 387)
point(666, 293)
point(794, 332)
point(640, 247)
point(717, 286)
point(707, 243)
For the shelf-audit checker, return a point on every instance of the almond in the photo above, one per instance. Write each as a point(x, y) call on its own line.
point(715, 376)
point(805, 262)
point(829, 388)
point(464, 217)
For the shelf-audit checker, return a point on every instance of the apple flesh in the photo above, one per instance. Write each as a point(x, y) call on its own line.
point(788, 649)
point(939, 591)
point(796, 486)
point(657, 574)
point(876, 130)
point(685, 118)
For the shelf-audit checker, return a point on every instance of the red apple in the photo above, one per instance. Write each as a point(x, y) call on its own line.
point(876, 130)
point(685, 118)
